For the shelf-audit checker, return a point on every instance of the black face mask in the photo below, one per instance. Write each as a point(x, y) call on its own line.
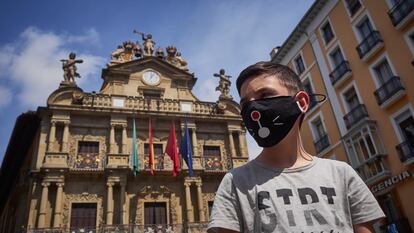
point(269, 120)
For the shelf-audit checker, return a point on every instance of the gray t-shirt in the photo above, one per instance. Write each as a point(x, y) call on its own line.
point(324, 196)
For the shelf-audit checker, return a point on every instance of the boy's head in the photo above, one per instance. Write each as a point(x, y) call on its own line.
point(269, 73)
point(272, 98)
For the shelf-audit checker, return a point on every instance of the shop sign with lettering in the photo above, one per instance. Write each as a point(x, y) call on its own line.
point(390, 182)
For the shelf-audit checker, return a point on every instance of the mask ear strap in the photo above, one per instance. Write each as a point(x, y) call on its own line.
point(320, 98)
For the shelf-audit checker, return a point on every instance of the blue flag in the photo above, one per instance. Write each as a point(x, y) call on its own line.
point(186, 150)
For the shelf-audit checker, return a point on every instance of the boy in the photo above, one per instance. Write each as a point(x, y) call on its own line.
point(285, 189)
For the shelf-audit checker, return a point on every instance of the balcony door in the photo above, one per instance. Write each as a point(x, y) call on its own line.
point(351, 99)
point(158, 155)
point(155, 213)
point(337, 58)
point(83, 216)
point(406, 127)
point(365, 28)
point(383, 72)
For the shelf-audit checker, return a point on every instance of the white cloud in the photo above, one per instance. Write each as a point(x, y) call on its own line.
point(5, 96)
point(32, 63)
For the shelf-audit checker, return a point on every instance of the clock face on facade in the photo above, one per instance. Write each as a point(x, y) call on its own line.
point(151, 78)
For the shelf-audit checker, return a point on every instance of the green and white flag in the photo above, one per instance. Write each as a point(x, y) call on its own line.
point(134, 150)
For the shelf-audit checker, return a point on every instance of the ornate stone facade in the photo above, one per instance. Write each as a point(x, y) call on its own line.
point(81, 158)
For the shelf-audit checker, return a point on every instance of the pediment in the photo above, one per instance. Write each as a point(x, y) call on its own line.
point(127, 68)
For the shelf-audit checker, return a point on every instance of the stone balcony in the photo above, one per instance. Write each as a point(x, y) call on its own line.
point(147, 104)
point(56, 160)
point(196, 227)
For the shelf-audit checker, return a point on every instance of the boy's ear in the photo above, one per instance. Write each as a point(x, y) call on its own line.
point(303, 100)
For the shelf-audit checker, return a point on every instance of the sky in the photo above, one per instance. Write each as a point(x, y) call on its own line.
point(210, 34)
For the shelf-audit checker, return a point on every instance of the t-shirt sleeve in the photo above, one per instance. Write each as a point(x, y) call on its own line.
point(226, 212)
point(363, 205)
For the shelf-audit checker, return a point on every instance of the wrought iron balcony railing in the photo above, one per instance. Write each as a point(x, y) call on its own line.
point(339, 72)
point(400, 10)
point(388, 89)
point(369, 43)
point(86, 162)
point(213, 163)
point(355, 115)
point(158, 163)
point(322, 143)
point(405, 151)
point(129, 228)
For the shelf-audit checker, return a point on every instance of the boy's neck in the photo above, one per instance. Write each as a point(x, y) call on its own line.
point(288, 153)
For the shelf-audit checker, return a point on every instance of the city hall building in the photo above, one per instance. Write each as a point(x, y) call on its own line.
point(68, 166)
point(360, 54)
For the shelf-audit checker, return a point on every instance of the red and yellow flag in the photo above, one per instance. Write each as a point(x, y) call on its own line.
point(151, 149)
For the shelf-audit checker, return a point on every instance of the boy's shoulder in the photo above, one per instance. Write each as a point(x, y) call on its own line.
point(250, 168)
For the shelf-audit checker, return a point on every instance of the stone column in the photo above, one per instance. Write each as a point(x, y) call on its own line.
point(109, 204)
point(231, 142)
point(65, 138)
point(200, 202)
point(122, 209)
point(195, 144)
point(57, 218)
point(52, 136)
point(124, 139)
point(189, 205)
point(242, 141)
point(112, 140)
point(43, 202)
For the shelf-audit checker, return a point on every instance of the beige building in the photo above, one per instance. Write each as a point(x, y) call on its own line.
point(68, 165)
point(360, 54)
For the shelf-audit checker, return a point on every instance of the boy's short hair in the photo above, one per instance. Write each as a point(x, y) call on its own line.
point(286, 76)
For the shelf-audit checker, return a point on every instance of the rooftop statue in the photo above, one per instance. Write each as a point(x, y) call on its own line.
point(69, 68)
point(160, 53)
point(125, 52)
point(174, 58)
point(224, 85)
point(148, 43)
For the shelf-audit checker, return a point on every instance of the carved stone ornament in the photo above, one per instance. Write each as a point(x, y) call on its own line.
point(207, 197)
point(125, 53)
point(158, 194)
point(82, 198)
point(88, 161)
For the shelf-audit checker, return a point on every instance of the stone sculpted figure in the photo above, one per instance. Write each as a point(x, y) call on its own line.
point(181, 61)
point(160, 53)
point(125, 52)
point(149, 44)
point(224, 84)
point(69, 68)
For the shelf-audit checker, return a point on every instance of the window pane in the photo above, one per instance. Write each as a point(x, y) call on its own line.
point(337, 57)
point(83, 215)
point(300, 67)
point(211, 151)
point(88, 147)
point(383, 71)
point(365, 28)
point(327, 33)
point(351, 98)
point(155, 213)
